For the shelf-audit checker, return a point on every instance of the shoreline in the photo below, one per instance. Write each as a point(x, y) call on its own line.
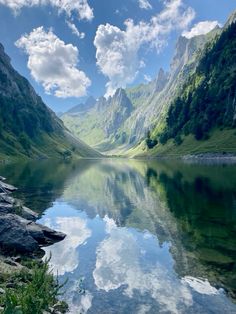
point(24, 277)
point(208, 158)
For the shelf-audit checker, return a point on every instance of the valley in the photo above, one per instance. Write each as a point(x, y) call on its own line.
point(121, 124)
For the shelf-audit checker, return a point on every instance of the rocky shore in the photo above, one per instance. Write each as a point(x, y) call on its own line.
point(21, 240)
point(211, 158)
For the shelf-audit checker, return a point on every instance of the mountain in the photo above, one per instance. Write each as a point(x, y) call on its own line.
point(203, 116)
point(28, 128)
point(121, 122)
point(84, 107)
point(102, 121)
point(189, 109)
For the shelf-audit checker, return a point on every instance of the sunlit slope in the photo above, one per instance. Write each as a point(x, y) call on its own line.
point(202, 119)
point(28, 128)
point(116, 124)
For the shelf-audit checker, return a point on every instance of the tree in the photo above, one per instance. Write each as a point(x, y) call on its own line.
point(24, 141)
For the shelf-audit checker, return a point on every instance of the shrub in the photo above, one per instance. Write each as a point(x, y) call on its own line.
point(37, 291)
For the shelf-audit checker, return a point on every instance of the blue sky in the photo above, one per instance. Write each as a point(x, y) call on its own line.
point(107, 52)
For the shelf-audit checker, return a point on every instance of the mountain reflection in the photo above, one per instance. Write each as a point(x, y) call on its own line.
point(144, 237)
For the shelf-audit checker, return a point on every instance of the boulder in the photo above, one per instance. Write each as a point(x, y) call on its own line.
point(20, 235)
point(7, 187)
point(14, 237)
point(44, 235)
point(29, 214)
point(25, 212)
point(4, 197)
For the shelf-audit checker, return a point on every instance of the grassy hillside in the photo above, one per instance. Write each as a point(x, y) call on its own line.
point(219, 141)
point(28, 128)
point(203, 117)
point(115, 125)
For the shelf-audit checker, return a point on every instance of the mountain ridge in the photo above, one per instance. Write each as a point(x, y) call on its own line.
point(149, 104)
point(202, 119)
point(28, 128)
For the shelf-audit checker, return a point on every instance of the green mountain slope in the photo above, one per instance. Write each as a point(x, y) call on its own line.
point(28, 128)
point(203, 117)
point(99, 126)
point(117, 124)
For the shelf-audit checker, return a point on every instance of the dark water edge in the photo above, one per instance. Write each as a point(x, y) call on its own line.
point(189, 209)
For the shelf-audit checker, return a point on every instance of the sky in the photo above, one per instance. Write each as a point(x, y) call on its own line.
point(72, 49)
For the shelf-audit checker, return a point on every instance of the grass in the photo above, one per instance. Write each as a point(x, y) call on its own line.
point(87, 127)
point(220, 141)
point(34, 290)
point(45, 146)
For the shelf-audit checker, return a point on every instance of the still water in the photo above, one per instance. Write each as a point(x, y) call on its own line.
point(142, 236)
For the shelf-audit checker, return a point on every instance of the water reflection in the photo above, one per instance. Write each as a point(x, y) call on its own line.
point(143, 237)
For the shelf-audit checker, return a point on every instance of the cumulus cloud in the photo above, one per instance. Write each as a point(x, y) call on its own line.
point(118, 265)
point(75, 30)
point(65, 256)
point(117, 50)
point(80, 7)
point(144, 4)
point(147, 78)
point(201, 28)
point(201, 286)
point(54, 64)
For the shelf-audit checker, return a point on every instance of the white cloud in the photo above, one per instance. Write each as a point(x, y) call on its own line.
point(80, 7)
point(75, 30)
point(147, 78)
point(118, 265)
point(54, 64)
point(201, 286)
point(201, 28)
point(117, 50)
point(65, 256)
point(144, 4)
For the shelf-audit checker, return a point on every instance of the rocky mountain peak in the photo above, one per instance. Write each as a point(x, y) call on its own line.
point(83, 107)
point(121, 99)
point(161, 80)
point(3, 56)
point(231, 19)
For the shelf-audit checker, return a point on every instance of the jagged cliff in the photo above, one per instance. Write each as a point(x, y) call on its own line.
point(121, 122)
point(202, 116)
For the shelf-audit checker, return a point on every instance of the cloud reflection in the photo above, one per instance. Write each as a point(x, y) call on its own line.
point(65, 257)
point(118, 264)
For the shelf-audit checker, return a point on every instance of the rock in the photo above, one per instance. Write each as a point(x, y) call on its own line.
point(16, 259)
point(20, 235)
point(10, 262)
point(5, 208)
point(60, 307)
point(14, 236)
point(6, 198)
point(10, 206)
point(2, 291)
point(44, 235)
point(7, 187)
point(11, 285)
point(2, 178)
point(29, 214)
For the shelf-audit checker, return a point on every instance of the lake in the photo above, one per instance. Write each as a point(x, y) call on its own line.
point(142, 236)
